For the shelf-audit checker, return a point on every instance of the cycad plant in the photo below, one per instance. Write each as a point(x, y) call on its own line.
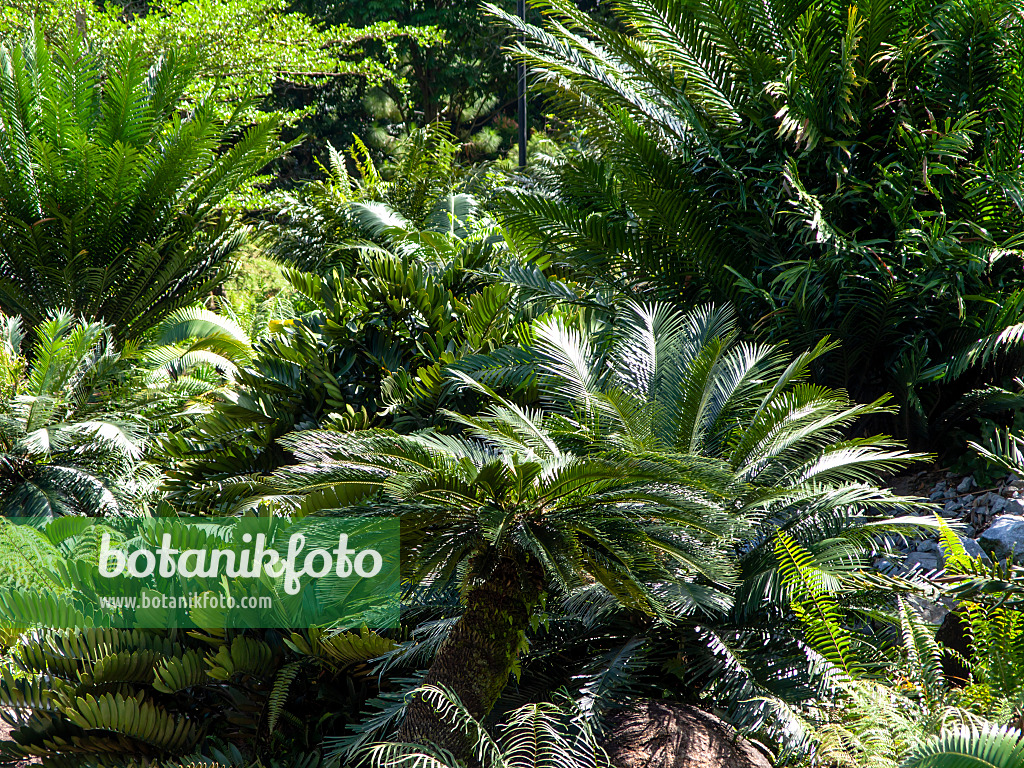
point(655, 380)
point(68, 444)
point(394, 306)
point(508, 511)
point(112, 185)
point(534, 736)
point(851, 169)
point(664, 464)
point(316, 228)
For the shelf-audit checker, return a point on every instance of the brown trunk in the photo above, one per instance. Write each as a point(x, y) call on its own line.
point(477, 657)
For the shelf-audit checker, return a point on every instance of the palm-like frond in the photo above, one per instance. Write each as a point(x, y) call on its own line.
point(112, 199)
point(68, 443)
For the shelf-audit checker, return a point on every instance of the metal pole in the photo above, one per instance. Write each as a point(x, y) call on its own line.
point(522, 96)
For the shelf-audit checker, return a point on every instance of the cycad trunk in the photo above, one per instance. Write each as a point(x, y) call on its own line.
point(477, 657)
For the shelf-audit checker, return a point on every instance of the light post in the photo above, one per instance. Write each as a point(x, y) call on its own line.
point(522, 96)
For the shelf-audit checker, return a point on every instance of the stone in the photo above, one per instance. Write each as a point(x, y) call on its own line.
point(995, 502)
point(928, 546)
point(966, 484)
point(1006, 534)
point(970, 532)
point(952, 508)
point(1013, 507)
point(937, 495)
point(922, 561)
point(664, 734)
point(884, 564)
point(929, 612)
point(950, 494)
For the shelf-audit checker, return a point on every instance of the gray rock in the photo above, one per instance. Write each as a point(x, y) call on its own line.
point(928, 546)
point(1006, 534)
point(933, 613)
point(884, 564)
point(966, 484)
point(952, 508)
point(950, 494)
point(937, 495)
point(996, 503)
point(922, 561)
point(970, 532)
point(1013, 507)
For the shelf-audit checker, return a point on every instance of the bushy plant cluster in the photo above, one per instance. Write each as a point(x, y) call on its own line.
point(631, 405)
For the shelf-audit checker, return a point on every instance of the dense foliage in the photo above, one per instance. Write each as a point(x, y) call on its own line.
point(631, 404)
point(112, 197)
point(844, 169)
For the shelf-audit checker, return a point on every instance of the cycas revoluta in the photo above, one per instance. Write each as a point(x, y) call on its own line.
point(112, 185)
point(664, 461)
point(65, 447)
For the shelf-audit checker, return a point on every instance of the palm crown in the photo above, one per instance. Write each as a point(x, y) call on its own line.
point(665, 443)
point(111, 185)
point(510, 510)
point(64, 449)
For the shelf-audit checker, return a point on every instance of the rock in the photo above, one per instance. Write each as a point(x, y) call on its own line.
point(1013, 507)
point(884, 564)
point(1006, 534)
point(937, 495)
point(994, 502)
point(922, 561)
point(663, 734)
point(950, 494)
point(928, 546)
point(932, 613)
point(970, 532)
point(952, 508)
point(966, 484)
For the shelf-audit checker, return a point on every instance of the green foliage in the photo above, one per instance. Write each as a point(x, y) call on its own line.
point(242, 47)
point(318, 229)
point(971, 748)
point(102, 696)
point(393, 296)
point(460, 79)
point(760, 459)
point(111, 195)
point(71, 438)
point(648, 379)
point(851, 170)
point(534, 736)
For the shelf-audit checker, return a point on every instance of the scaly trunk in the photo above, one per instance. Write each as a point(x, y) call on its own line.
point(477, 657)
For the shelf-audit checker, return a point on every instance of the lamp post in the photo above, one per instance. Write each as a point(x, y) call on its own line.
point(522, 96)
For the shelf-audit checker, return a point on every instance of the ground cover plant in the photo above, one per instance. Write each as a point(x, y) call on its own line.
point(646, 410)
